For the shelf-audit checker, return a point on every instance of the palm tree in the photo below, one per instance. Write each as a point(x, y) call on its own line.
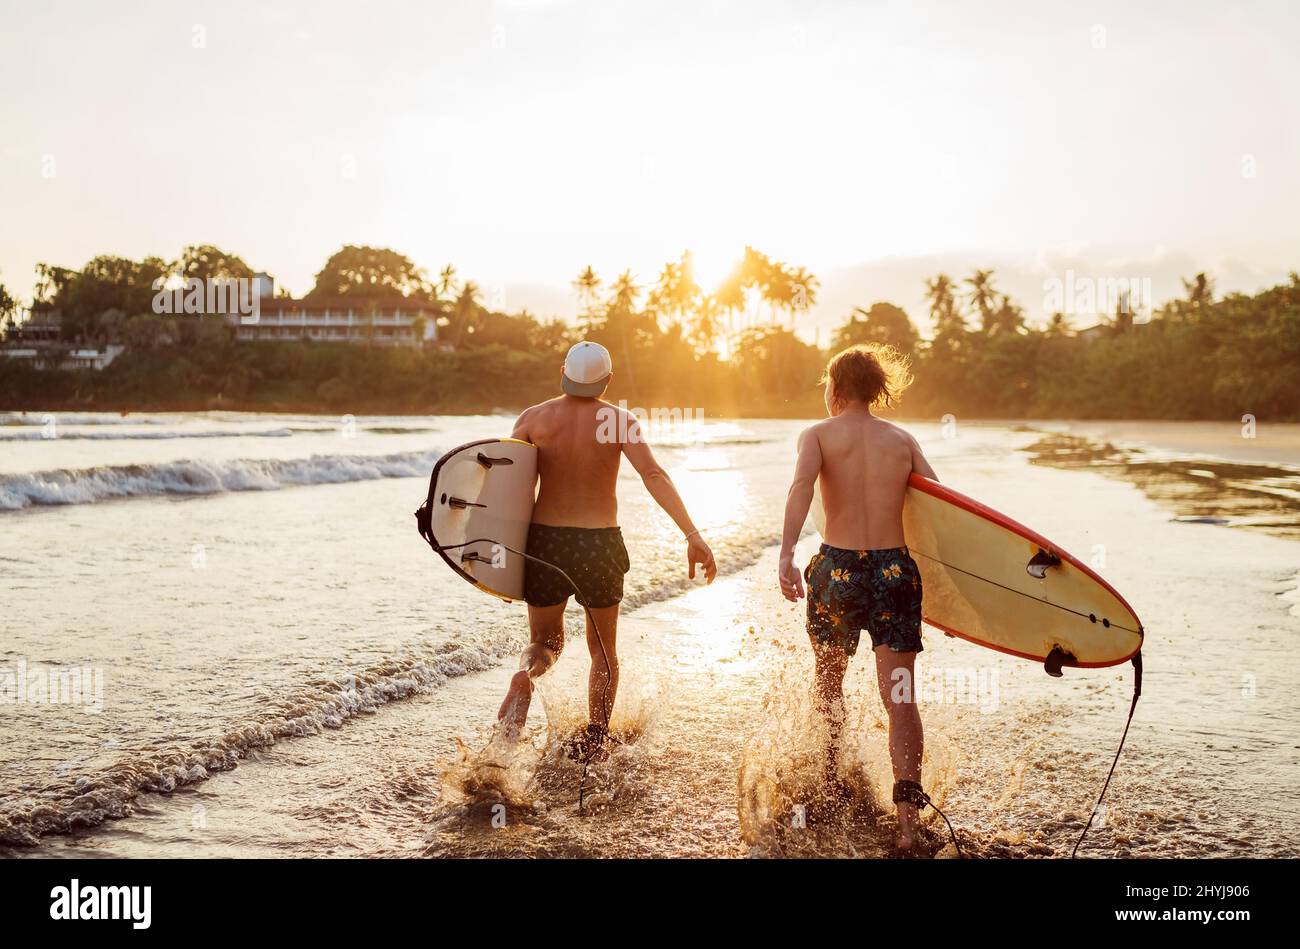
point(708, 322)
point(939, 291)
point(758, 272)
point(730, 297)
point(625, 292)
point(446, 283)
point(621, 306)
point(677, 291)
point(949, 326)
point(777, 288)
point(805, 287)
point(465, 308)
point(983, 296)
point(587, 285)
point(1200, 291)
point(1008, 317)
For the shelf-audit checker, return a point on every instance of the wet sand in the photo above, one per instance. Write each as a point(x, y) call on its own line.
point(1267, 442)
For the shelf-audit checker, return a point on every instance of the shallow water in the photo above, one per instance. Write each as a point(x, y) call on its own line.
point(285, 661)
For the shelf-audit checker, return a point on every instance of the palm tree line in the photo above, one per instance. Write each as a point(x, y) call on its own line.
point(757, 292)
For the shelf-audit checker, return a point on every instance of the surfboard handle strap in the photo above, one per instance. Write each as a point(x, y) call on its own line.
point(909, 792)
point(604, 698)
point(487, 462)
point(1137, 694)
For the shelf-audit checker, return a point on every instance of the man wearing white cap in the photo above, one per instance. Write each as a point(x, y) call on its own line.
point(575, 527)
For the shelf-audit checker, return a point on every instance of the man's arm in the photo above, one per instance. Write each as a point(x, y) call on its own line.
point(797, 502)
point(664, 492)
point(919, 463)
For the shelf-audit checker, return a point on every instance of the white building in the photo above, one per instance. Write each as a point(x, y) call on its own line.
point(344, 319)
point(46, 356)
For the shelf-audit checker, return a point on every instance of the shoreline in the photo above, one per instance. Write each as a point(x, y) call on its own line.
point(361, 408)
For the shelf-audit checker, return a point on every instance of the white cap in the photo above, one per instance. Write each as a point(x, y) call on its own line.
point(586, 370)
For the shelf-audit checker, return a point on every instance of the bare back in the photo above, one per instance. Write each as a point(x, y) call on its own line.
point(578, 470)
point(865, 464)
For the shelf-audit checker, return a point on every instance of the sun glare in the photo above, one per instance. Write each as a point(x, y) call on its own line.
point(712, 263)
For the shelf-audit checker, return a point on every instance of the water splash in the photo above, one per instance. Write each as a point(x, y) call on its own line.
point(787, 801)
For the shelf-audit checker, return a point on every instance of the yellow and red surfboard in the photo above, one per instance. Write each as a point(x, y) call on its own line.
point(989, 579)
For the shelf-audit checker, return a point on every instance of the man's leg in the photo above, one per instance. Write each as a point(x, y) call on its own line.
point(897, 692)
point(546, 634)
point(830, 662)
point(602, 683)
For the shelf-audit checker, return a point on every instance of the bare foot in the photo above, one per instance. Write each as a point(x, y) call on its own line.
point(589, 745)
point(905, 844)
point(514, 710)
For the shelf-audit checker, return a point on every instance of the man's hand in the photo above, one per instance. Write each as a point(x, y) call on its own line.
point(791, 578)
point(697, 552)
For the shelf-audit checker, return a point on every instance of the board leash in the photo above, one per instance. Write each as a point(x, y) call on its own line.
point(609, 671)
point(910, 792)
point(1137, 694)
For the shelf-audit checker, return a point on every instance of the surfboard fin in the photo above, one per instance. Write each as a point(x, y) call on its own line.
point(1040, 563)
point(1057, 658)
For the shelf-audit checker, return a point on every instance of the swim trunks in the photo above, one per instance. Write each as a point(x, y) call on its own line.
point(875, 590)
point(594, 557)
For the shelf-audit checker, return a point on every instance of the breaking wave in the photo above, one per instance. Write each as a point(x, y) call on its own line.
point(88, 485)
point(142, 436)
point(108, 794)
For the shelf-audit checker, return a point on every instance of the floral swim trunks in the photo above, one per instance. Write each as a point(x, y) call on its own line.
point(875, 590)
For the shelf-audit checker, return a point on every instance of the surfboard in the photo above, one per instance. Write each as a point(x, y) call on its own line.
point(479, 506)
point(989, 579)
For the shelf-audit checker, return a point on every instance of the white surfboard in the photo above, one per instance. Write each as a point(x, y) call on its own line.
point(479, 506)
point(990, 580)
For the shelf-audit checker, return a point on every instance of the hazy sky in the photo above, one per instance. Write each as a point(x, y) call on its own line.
point(870, 142)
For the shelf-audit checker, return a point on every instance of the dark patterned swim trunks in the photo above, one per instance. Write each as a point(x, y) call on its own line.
point(875, 590)
point(594, 557)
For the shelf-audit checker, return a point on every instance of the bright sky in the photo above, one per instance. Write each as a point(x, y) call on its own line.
point(524, 139)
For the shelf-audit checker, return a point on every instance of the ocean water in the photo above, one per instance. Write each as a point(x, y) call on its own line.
point(220, 634)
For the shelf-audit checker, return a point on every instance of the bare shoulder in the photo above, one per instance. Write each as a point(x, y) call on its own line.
point(527, 415)
point(897, 432)
point(531, 417)
point(615, 411)
point(540, 409)
point(816, 431)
